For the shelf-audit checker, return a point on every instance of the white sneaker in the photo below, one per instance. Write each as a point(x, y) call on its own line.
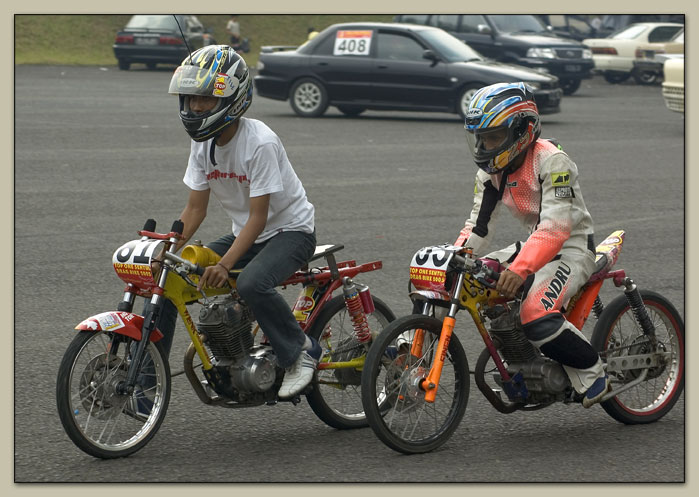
point(300, 374)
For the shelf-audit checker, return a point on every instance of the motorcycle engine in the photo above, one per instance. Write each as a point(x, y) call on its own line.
point(542, 376)
point(225, 324)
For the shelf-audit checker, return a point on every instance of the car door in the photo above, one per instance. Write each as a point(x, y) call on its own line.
point(342, 63)
point(403, 76)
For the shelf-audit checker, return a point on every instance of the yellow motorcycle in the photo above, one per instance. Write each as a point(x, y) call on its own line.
point(114, 382)
point(415, 382)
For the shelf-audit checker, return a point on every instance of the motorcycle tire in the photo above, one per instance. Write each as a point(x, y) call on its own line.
point(336, 394)
point(99, 420)
point(617, 333)
point(395, 405)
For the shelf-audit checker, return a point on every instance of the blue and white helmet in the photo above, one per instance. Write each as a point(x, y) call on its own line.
point(509, 106)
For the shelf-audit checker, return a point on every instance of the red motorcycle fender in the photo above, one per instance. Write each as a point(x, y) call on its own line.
point(124, 323)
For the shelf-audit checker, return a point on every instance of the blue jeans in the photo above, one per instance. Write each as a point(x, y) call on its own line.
point(265, 265)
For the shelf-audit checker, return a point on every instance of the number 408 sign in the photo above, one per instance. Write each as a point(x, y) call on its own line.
point(352, 43)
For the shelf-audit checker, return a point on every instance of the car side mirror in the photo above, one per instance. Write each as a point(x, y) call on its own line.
point(484, 29)
point(431, 56)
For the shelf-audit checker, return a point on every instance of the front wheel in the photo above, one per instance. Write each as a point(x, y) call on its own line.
point(98, 419)
point(465, 97)
point(616, 77)
point(308, 98)
point(617, 334)
point(336, 395)
point(351, 110)
point(570, 86)
point(646, 77)
point(395, 404)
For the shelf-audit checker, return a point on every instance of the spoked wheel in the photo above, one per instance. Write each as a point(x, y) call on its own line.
point(98, 419)
point(395, 404)
point(617, 334)
point(336, 394)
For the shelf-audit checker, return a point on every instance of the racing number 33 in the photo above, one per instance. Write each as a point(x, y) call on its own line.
point(352, 43)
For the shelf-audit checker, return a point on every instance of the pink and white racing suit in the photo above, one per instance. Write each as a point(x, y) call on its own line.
point(556, 259)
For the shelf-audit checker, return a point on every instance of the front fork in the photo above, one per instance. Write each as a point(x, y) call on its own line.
point(126, 387)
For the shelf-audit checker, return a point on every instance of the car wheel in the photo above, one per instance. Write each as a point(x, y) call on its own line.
point(465, 97)
point(351, 110)
point(151, 65)
point(570, 86)
point(645, 77)
point(124, 64)
point(616, 77)
point(308, 98)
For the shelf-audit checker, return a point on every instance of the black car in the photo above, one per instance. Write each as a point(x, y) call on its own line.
point(385, 66)
point(153, 39)
point(517, 39)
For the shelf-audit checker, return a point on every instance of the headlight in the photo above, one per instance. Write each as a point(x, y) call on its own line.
point(534, 86)
point(543, 53)
point(587, 53)
point(260, 65)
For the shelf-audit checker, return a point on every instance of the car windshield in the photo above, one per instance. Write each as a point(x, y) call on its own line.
point(629, 33)
point(449, 47)
point(517, 24)
point(152, 22)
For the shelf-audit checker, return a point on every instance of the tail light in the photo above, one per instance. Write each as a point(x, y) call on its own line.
point(171, 40)
point(605, 50)
point(124, 39)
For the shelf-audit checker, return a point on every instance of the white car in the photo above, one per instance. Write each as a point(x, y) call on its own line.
point(673, 86)
point(614, 56)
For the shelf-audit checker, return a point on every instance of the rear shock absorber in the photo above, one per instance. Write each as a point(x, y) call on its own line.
point(356, 310)
point(633, 296)
point(598, 307)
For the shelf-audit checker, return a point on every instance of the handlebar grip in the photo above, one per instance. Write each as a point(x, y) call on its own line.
point(177, 227)
point(198, 270)
point(150, 225)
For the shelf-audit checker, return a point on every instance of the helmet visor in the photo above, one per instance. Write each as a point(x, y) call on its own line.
point(488, 143)
point(194, 80)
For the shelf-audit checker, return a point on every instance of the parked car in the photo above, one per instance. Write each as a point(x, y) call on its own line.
point(516, 39)
point(612, 23)
point(387, 66)
point(673, 86)
point(648, 64)
point(155, 39)
point(572, 26)
point(614, 56)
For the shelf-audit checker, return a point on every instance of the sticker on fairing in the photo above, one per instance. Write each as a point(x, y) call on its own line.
point(106, 321)
point(353, 42)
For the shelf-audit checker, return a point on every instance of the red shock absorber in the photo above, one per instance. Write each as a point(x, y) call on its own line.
point(356, 310)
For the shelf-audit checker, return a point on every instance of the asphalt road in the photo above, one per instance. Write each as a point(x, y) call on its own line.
point(97, 151)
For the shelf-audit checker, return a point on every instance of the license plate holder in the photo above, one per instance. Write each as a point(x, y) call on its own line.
point(572, 68)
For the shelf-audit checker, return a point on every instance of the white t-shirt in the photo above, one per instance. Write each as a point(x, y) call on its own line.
point(252, 164)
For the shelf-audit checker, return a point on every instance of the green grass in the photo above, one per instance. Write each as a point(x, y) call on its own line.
point(88, 39)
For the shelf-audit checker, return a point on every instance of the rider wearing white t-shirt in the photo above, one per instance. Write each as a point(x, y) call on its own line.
point(244, 165)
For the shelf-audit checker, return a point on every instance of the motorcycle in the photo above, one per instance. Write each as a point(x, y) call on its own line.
point(415, 382)
point(114, 382)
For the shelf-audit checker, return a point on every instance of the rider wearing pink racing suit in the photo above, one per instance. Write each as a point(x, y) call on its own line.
point(539, 185)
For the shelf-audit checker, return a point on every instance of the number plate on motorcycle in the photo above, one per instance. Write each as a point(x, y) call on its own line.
point(428, 269)
point(132, 262)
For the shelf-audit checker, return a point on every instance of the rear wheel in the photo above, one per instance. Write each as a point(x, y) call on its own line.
point(124, 64)
point(395, 404)
point(151, 65)
point(98, 419)
point(308, 98)
point(617, 335)
point(336, 394)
